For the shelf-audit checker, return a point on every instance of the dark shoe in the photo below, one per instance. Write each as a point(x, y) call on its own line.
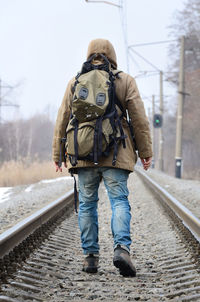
point(90, 264)
point(122, 261)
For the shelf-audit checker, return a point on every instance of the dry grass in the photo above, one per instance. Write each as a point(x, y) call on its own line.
point(14, 173)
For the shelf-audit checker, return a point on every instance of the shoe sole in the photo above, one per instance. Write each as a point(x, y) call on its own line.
point(91, 270)
point(124, 269)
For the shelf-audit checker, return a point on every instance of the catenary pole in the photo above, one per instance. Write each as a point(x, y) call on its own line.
point(153, 131)
point(3, 102)
point(0, 101)
point(179, 120)
point(122, 11)
point(161, 139)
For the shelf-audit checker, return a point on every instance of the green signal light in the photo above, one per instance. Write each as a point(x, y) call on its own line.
point(157, 120)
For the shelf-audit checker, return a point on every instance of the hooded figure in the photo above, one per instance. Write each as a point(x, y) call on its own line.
point(115, 178)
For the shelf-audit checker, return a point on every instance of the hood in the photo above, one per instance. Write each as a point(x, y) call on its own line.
point(104, 47)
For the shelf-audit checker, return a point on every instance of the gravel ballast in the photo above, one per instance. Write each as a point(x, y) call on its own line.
point(166, 270)
point(184, 190)
point(22, 201)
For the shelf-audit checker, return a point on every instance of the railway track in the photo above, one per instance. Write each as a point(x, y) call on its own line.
point(46, 264)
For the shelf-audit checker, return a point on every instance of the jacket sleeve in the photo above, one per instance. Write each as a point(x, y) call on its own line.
point(138, 118)
point(61, 123)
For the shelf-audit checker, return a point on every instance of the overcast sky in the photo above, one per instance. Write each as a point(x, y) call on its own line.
point(43, 44)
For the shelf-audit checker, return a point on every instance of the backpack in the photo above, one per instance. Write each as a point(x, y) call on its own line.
point(95, 124)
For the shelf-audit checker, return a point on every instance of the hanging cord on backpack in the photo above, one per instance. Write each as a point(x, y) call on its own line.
point(75, 192)
point(115, 152)
point(63, 154)
point(132, 134)
point(62, 151)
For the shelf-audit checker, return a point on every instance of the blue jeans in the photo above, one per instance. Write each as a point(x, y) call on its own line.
point(115, 181)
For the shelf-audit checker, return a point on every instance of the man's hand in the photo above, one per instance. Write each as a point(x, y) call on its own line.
point(59, 168)
point(146, 162)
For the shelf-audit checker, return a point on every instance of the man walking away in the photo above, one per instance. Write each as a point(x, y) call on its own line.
point(100, 145)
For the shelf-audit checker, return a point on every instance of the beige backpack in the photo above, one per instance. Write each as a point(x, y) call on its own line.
point(95, 125)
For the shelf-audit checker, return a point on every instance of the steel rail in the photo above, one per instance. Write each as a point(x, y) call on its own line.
point(16, 234)
point(190, 221)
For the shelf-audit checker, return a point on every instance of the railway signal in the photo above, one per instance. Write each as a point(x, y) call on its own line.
point(157, 120)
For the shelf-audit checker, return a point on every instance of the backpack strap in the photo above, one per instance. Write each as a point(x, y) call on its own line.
point(97, 55)
point(99, 131)
point(98, 139)
point(123, 136)
point(117, 102)
point(116, 73)
point(75, 140)
point(95, 145)
point(73, 159)
point(118, 119)
point(88, 66)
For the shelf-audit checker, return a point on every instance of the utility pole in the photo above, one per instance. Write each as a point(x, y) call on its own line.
point(0, 102)
point(153, 131)
point(179, 120)
point(161, 140)
point(2, 98)
point(160, 150)
point(149, 115)
point(122, 10)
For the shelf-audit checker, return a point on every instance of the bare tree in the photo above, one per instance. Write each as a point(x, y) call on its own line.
point(28, 138)
point(187, 23)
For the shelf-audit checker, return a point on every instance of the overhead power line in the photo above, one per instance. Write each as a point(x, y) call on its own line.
point(151, 64)
point(147, 61)
point(102, 1)
point(151, 43)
